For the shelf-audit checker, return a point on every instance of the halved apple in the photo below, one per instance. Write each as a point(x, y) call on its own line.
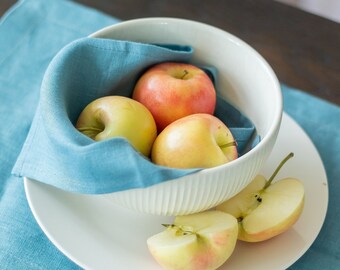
point(202, 241)
point(265, 209)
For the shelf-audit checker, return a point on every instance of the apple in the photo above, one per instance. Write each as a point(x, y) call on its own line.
point(199, 241)
point(195, 141)
point(265, 209)
point(173, 90)
point(118, 116)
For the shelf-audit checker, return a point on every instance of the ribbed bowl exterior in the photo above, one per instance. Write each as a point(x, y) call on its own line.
point(196, 192)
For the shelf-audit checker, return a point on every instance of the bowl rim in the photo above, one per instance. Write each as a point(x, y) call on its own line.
point(277, 118)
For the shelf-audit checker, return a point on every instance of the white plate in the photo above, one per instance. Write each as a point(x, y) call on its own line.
point(97, 235)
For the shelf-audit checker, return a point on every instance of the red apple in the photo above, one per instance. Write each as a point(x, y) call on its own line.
point(174, 90)
point(194, 141)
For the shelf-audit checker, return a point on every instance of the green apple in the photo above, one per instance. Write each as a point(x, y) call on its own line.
point(174, 90)
point(202, 241)
point(265, 209)
point(118, 116)
point(194, 141)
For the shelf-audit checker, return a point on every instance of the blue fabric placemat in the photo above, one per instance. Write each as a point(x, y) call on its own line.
point(40, 28)
point(31, 34)
point(321, 121)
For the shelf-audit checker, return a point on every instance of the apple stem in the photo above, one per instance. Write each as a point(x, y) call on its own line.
point(84, 129)
point(91, 132)
point(233, 143)
point(270, 180)
point(185, 74)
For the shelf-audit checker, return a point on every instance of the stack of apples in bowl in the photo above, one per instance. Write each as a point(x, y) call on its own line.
point(227, 200)
point(169, 118)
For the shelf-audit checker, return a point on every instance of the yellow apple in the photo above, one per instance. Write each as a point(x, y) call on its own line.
point(174, 90)
point(202, 241)
point(265, 209)
point(118, 116)
point(194, 141)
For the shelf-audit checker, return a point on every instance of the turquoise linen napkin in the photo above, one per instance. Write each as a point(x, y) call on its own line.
point(56, 153)
point(31, 34)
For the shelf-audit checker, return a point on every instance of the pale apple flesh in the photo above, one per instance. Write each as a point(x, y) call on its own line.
point(118, 116)
point(174, 90)
point(282, 204)
point(202, 241)
point(263, 214)
point(266, 209)
point(194, 141)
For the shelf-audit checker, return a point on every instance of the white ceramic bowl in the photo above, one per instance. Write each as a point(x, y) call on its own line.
point(244, 78)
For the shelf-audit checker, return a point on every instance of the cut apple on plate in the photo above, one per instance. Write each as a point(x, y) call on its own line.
point(202, 241)
point(265, 209)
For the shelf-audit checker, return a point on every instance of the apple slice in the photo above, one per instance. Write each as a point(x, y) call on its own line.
point(265, 209)
point(199, 241)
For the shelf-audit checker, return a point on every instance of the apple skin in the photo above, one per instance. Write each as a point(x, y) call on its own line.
point(266, 212)
point(194, 141)
point(202, 241)
point(173, 90)
point(118, 116)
